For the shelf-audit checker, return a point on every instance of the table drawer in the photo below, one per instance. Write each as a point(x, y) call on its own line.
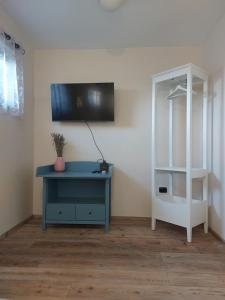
point(60, 212)
point(90, 212)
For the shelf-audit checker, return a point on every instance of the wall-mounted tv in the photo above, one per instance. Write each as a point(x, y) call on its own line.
point(82, 101)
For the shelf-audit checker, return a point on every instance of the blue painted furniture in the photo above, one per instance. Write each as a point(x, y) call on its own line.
point(76, 196)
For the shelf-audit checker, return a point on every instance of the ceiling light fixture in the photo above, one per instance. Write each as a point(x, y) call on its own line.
point(111, 5)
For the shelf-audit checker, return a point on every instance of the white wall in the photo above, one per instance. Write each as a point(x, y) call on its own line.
point(126, 143)
point(214, 57)
point(16, 147)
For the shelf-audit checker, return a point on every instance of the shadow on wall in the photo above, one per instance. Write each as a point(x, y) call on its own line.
point(116, 52)
point(217, 220)
point(217, 176)
point(70, 151)
point(126, 105)
point(127, 190)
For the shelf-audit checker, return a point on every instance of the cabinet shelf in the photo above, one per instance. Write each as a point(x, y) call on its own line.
point(195, 172)
point(78, 200)
point(173, 210)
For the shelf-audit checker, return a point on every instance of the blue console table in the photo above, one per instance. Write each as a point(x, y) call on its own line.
point(76, 196)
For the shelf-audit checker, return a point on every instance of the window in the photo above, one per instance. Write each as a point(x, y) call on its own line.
point(11, 76)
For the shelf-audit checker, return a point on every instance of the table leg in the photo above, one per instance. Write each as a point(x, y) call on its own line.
point(107, 198)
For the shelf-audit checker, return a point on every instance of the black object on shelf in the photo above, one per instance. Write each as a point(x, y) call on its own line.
point(104, 167)
point(163, 190)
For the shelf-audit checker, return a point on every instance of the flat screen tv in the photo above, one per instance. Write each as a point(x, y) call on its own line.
point(82, 101)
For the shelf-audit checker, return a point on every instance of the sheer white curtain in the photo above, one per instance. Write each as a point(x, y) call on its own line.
point(11, 76)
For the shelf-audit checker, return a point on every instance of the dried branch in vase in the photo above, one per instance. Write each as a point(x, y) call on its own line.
point(59, 143)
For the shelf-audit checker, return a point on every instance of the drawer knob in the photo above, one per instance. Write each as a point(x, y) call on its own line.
point(90, 213)
point(60, 212)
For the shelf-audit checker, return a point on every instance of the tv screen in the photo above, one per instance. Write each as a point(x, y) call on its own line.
point(82, 101)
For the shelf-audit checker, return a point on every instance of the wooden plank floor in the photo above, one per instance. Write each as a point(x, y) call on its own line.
point(131, 262)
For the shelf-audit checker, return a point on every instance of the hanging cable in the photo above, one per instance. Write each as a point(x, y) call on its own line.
point(95, 143)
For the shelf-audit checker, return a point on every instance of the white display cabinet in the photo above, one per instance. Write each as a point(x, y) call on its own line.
point(179, 148)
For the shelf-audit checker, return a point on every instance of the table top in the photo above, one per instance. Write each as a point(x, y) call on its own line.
point(75, 169)
point(75, 175)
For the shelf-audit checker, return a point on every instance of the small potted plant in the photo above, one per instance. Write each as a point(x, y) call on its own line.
point(59, 143)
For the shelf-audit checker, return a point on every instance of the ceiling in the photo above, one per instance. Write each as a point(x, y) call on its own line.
point(137, 23)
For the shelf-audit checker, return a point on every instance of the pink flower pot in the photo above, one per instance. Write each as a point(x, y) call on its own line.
point(59, 164)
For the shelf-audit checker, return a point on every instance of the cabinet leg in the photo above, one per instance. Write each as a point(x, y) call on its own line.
point(44, 226)
point(153, 223)
point(206, 227)
point(189, 235)
point(106, 228)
